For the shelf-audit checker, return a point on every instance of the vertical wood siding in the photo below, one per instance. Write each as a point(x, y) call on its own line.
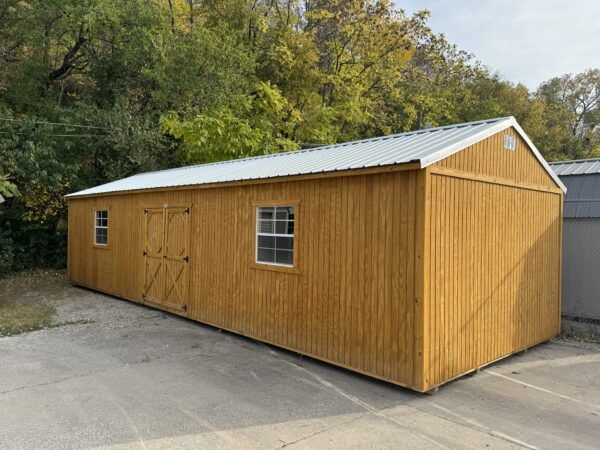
point(495, 273)
point(351, 302)
point(488, 157)
point(494, 258)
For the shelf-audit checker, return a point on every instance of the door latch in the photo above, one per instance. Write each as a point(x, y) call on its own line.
point(187, 259)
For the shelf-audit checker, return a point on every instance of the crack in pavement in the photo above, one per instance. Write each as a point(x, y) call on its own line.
point(466, 422)
point(316, 433)
point(76, 377)
point(357, 401)
point(132, 364)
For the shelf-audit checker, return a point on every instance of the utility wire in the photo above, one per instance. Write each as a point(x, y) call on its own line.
point(54, 134)
point(59, 124)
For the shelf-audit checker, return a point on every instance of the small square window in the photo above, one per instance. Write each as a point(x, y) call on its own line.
point(510, 142)
point(101, 227)
point(275, 235)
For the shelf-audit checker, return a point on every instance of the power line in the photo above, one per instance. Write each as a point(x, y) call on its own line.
point(54, 134)
point(59, 124)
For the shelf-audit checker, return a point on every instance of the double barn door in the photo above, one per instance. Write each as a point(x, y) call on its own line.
point(166, 257)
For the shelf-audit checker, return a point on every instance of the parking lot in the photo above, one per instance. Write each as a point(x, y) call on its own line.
point(118, 374)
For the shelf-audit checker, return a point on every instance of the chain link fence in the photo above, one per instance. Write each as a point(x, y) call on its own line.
point(581, 276)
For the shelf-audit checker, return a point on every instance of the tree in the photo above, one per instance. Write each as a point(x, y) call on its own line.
point(574, 104)
point(96, 90)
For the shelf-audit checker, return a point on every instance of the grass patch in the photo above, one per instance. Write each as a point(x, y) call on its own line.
point(20, 317)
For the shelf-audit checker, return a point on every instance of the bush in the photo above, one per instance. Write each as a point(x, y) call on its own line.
point(6, 255)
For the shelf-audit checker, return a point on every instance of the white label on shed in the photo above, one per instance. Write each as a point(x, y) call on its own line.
point(510, 142)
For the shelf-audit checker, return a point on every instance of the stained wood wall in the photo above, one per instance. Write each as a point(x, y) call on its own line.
point(489, 159)
point(494, 230)
point(351, 302)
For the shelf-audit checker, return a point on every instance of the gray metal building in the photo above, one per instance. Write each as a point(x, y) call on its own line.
point(581, 237)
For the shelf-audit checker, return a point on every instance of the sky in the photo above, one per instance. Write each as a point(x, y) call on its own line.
point(525, 41)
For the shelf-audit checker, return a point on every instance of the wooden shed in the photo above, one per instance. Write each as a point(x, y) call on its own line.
point(413, 258)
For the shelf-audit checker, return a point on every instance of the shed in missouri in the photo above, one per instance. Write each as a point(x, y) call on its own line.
point(413, 258)
point(581, 229)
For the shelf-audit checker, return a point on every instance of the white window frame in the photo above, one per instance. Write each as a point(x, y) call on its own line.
point(102, 227)
point(258, 233)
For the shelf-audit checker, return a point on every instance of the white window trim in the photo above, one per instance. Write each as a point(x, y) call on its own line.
point(96, 227)
point(257, 233)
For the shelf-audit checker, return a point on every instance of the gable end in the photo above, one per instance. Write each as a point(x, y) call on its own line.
point(489, 157)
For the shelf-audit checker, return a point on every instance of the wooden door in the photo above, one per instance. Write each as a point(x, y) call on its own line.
point(176, 257)
point(154, 276)
point(166, 246)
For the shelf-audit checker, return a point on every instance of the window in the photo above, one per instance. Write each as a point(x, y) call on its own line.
point(510, 142)
point(275, 235)
point(101, 228)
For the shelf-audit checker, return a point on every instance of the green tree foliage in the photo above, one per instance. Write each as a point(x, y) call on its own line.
point(573, 113)
point(95, 90)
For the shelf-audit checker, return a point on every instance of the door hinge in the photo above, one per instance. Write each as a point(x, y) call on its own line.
point(184, 307)
point(145, 211)
point(187, 210)
point(187, 259)
point(145, 253)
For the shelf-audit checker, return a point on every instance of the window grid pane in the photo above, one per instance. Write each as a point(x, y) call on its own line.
point(266, 213)
point(284, 257)
point(266, 226)
point(266, 241)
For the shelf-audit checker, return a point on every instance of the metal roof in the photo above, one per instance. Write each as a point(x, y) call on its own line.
point(576, 167)
point(424, 147)
point(582, 178)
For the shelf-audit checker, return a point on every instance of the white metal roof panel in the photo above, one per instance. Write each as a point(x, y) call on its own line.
point(576, 167)
point(424, 147)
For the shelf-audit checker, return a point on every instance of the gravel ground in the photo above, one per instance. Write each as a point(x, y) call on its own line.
point(120, 375)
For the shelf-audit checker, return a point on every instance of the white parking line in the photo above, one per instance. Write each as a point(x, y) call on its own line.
point(482, 427)
point(359, 402)
point(556, 394)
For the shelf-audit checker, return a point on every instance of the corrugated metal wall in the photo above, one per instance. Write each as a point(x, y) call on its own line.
point(581, 239)
point(583, 196)
point(581, 268)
